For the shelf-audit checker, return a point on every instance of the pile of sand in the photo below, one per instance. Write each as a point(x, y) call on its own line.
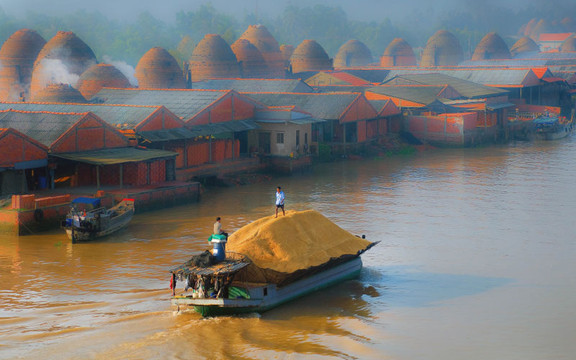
point(299, 240)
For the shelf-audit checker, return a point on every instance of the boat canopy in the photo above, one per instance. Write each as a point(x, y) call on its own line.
point(230, 265)
point(545, 120)
point(95, 202)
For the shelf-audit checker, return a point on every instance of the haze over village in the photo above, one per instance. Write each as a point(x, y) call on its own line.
point(219, 89)
point(287, 179)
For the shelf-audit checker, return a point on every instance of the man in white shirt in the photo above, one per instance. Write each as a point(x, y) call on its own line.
point(280, 200)
point(218, 228)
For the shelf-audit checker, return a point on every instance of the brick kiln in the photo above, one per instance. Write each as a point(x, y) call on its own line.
point(252, 63)
point(99, 76)
point(353, 53)
point(157, 69)
point(17, 57)
point(62, 60)
point(398, 53)
point(492, 46)
point(213, 58)
point(442, 49)
point(260, 37)
point(310, 56)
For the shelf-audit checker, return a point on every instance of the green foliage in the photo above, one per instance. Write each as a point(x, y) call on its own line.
point(329, 26)
point(206, 20)
point(105, 37)
point(324, 152)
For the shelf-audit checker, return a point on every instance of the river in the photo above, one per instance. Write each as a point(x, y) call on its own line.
point(476, 261)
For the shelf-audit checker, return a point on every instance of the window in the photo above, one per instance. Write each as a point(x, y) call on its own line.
point(280, 138)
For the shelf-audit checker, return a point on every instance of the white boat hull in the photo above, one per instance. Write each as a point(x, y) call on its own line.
point(267, 296)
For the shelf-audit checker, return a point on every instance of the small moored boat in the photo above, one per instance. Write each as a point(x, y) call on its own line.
point(551, 128)
point(251, 282)
point(85, 225)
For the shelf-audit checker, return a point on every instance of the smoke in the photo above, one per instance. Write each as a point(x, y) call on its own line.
point(124, 68)
point(54, 71)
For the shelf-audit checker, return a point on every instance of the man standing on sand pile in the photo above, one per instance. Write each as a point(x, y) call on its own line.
point(280, 200)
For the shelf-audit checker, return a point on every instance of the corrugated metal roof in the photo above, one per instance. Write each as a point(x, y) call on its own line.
point(499, 106)
point(224, 127)
point(546, 55)
point(418, 94)
point(184, 103)
point(378, 104)
point(341, 88)
point(116, 156)
point(493, 77)
point(466, 88)
point(440, 107)
point(329, 106)
point(43, 127)
point(302, 121)
point(512, 63)
point(112, 114)
point(371, 75)
point(255, 85)
point(305, 121)
point(349, 78)
point(167, 134)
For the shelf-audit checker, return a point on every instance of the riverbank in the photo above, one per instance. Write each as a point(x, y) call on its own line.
point(44, 210)
point(33, 213)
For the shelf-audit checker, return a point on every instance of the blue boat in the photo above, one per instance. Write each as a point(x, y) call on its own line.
point(97, 221)
point(551, 128)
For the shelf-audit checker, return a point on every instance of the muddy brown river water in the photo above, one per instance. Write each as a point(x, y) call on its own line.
point(476, 261)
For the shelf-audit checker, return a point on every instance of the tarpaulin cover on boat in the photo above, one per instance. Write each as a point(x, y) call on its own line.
point(290, 246)
point(95, 202)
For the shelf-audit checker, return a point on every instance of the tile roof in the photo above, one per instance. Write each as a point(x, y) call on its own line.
point(554, 36)
point(44, 127)
point(466, 88)
point(255, 85)
point(329, 106)
point(112, 114)
point(184, 103)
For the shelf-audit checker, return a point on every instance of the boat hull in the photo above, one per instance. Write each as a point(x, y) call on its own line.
point(555, 135)
point(117, 223)
point(267, 296)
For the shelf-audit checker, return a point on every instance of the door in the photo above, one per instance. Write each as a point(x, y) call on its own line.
point(264, 142)
point(170, 170)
